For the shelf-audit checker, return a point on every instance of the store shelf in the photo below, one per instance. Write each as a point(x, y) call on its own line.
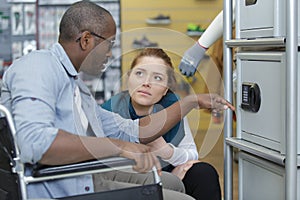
point(34, 25)
point(267, 25)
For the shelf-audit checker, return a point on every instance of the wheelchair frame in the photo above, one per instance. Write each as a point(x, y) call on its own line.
point(45, 173)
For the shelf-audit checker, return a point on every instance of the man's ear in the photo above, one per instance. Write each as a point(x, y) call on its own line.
point(85, 40)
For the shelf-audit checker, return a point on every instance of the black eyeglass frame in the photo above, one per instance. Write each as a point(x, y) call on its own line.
point(111, 42)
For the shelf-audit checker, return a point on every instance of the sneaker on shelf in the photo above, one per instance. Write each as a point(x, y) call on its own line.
point(144, 42)
point(160, 19)
point(194, 30)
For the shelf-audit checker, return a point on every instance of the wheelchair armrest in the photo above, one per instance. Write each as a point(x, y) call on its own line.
point(48, 170)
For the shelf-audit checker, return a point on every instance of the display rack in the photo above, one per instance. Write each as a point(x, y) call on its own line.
point(270, 160)
point(17, 29)
point(34, 24)
point(50, 13)
point(5, 35)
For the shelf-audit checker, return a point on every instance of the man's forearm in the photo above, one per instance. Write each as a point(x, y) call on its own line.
point(69, 148)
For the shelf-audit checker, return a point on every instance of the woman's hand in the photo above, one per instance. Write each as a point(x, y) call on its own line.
point(181, 170)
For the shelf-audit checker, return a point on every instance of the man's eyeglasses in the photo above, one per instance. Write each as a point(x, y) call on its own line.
point(111, 42)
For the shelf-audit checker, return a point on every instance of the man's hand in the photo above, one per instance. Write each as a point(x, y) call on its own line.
point(208, 101)
point(214, 102)
point(191, 59)
point(141, 154)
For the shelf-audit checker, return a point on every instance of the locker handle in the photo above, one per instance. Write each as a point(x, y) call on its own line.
point(250, 2)
point(254, 95)
point(251, 97)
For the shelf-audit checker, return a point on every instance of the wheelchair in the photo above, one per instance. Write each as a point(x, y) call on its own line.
point(13, 181)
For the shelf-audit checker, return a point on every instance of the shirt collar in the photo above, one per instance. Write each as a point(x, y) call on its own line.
point(64, 59)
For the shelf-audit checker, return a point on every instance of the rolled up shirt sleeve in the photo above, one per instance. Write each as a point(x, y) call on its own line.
point(30, 94)
point(186, 149)
point(35, 134)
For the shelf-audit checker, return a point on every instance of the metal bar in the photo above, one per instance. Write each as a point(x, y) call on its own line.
point(291, 99)
point(257, 150)
point(156, 176)
point(19, 166)
point(265, 42)
point(227, 74)
point(31, 179)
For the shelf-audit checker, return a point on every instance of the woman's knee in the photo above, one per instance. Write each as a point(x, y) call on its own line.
point(205, 170)
point(202, 182)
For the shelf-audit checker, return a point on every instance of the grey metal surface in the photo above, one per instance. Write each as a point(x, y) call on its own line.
point(260, 179)
point(260, 151)
point(266, 42)
point(263, 19)
point(227, 74)
point(287, 28)
point(291, 99)
point(267, 70)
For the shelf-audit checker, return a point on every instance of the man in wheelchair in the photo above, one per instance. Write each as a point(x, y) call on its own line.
point(58, 121)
